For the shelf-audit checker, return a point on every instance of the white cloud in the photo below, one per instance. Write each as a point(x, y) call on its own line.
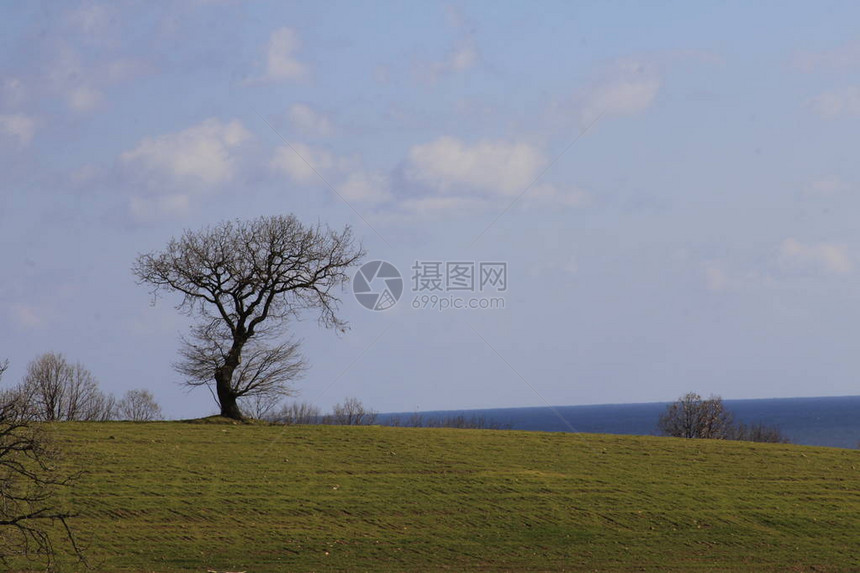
point(717, 279)
point(20, 126)
point(81, 84)
point(695, 57)
point(792, 261)
point(445, 174)
point(563, 264)
point(723, 275)
point(832, 104)
point(305, 165)
point(382, 74)
point(27, 316)
point(84, 98)
point(153, 208)
point(548, 194)
point(310, 121)
point(90, 18)
point(843, 57)
point(462, 57)
point(302, 162)
point(85, 173)
point(204, 153)
point(829, 257)
point(123, 69)
point(281, 62)
point(13, 91)
point(827, 186)
point(433, 205)
point(68, 77)
point(630, 87)
point(366, 187)
point(494, 167)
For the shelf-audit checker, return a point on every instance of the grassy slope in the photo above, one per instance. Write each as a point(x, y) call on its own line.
point(191, 497)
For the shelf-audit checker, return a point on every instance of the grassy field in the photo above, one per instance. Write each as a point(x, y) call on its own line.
point(195, 497)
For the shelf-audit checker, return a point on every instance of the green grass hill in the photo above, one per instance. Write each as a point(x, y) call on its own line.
point(179, 496)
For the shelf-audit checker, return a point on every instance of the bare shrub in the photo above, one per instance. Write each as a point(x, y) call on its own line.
point(298, 413)
point(759, 433)
point(693, 417)
point(351, 413)
point(55, 390)
point(475, 422)
point(138, 406)
point(261, 406)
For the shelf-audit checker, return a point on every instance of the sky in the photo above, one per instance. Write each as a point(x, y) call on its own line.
point(672, 187)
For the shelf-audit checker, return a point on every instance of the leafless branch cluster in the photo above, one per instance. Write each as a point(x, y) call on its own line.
point(29, 487)
point(55, 390)
point(245, 273)
point(138, 406)
point(297, 413)
point(350, 413)
point(262, 377)
point(759, 433)
point(244, 280)
point(693, 417)
point(417, 420)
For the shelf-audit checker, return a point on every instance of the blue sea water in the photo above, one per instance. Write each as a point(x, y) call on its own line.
point(829, 421)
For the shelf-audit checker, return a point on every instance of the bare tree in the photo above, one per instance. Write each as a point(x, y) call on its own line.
point(260, 406)
point(759, 432)
point(30, 484)
point(243, 280)
point(138, 406)
point(9, 395)
point(298, 413)
point(55, 390)
point(351, 413)
point(693, 417)
point(102, 408)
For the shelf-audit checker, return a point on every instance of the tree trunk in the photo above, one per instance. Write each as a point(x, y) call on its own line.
point(226, 396)
point(224, 378)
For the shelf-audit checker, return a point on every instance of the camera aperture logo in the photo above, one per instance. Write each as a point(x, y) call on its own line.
point(377, 285)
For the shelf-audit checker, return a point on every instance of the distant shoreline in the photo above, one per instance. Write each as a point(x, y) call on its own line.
point(832, 421)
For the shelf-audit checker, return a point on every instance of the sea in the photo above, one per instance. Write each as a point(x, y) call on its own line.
point(826, 421)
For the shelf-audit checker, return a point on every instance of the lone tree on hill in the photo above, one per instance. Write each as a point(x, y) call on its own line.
point(693, 417)
point(244, 280)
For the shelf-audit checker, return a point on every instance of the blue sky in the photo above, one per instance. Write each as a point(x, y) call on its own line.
point(673, 186)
